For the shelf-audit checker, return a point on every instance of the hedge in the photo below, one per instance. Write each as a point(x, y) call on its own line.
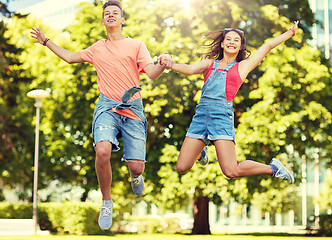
point(80, 218)
point(77, 218)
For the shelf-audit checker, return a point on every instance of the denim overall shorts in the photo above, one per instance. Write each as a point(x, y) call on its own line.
point(214, 117)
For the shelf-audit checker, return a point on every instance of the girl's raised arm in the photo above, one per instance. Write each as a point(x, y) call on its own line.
point(250, 63)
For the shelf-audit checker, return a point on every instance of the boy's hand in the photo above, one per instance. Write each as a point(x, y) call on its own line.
point(165, 60)
point(37, 34)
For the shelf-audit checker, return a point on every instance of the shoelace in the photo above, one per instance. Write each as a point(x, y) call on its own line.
point(136, 180)
point(106, 211)
point(281, 175)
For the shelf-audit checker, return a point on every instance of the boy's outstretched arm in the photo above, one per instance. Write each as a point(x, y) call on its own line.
point(64, 54)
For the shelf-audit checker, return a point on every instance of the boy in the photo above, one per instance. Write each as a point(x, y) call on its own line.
point(119, 111)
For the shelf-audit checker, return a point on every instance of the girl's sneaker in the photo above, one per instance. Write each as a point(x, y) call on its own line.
point(204, 159)
point(280, 171)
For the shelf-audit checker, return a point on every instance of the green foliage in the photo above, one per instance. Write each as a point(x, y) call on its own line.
point(62, 218)
point(325, 196)
point(16, 141)
point(287, 98)
point(325, 225)
point(15, 211)
point(82, 219)
point(72, 218)
point(274, 200)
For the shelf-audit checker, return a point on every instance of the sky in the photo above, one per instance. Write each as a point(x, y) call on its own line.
point(15, 5)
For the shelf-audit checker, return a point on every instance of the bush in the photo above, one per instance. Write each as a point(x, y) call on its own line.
point(325, 225)
point(64, 218)
point(81, 218)
point(15, 211)
point(72, 218)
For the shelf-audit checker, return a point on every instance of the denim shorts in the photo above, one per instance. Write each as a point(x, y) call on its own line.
point(213, 121)
point(110, 126)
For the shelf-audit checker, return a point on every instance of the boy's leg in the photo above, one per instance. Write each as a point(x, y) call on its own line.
point(103, 168)
point(134, 150)
point(189, 153)
point(105, 132)
point(104, 175)
point(136, 168)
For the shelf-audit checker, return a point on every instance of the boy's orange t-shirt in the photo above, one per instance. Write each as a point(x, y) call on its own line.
point(118, 64)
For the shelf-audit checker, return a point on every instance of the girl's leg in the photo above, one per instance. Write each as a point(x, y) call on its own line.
point(231, 168)
point(189, 153)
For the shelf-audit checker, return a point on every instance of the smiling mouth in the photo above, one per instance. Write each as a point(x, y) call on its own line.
point(111, 20)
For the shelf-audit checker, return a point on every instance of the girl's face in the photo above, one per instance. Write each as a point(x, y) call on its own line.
point(232, 43)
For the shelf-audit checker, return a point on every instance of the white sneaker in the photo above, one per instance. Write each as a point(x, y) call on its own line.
point(280, 171)
point(204, 159)
point(105, 215)
point(137, 183)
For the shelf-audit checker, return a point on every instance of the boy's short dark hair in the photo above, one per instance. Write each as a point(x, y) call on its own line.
point(112, 3)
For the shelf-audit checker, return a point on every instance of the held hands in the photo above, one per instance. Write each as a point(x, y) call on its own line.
point(294, 28)
point(37, 34)
point(165, 60)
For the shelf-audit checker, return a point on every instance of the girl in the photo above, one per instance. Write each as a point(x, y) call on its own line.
point(214, 117)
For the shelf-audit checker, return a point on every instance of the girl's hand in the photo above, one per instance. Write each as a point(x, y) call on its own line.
point(294, 28)
point(165, 60)
point(37, 34)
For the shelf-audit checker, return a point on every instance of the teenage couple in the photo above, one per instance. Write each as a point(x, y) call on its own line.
point(118, 61)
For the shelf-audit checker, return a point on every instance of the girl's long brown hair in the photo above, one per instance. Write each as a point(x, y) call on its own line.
point(216, 52)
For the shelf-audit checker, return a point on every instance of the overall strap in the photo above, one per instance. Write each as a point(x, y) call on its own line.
point(215, 65)
point(229, 66)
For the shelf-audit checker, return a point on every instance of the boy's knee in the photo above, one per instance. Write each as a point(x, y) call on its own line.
point(136, 171)
point(103, 155)
point(136, 167)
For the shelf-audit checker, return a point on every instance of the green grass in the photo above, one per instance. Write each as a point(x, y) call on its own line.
point(167, 237)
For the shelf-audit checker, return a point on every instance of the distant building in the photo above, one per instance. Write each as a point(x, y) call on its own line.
point(322, 35)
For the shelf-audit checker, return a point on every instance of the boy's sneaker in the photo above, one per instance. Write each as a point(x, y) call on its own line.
point(137, 183)
point(105, 215)
point(280, 171)
point(204, 159)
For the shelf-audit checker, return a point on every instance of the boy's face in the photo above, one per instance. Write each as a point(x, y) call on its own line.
point(112, 16)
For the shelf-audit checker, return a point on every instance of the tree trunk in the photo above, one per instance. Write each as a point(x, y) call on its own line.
point(201, 216)
point(84, 195)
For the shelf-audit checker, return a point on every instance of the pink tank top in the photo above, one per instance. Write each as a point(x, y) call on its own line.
point(233, 80)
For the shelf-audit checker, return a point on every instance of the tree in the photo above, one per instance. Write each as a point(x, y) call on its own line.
point(16, 141)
